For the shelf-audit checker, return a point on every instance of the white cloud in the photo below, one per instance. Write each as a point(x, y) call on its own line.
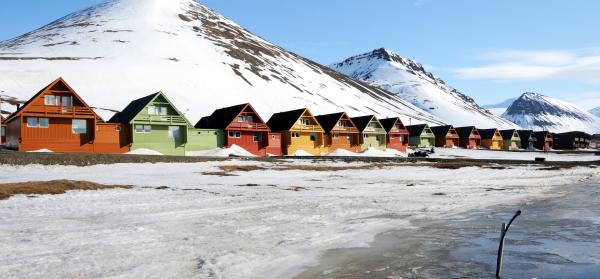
point(535, 65)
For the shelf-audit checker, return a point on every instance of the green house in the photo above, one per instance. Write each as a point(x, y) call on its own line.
point(371, 131)
point(420, 136)
point(156, 124)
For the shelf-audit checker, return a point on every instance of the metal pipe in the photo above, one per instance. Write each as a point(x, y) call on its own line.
point(503, 232)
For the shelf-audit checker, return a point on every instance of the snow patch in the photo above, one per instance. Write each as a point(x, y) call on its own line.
point(144, 151)
point(234, 150)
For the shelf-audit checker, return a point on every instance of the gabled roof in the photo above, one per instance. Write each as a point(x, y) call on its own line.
point(223, 117)
point(525, 134)
point(508, 134)
point(361, 122)
point(388, 123)
point(416, 130)
point(487, 133)
point(134, 108)
point(541, 134)
point(465, 132)
point(441, 131)
point(328, 121)
point(283, 121)
point(52, 84)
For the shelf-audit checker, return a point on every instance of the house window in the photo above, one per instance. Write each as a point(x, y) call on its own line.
point(249, 119)
point(397, 126)
point(118, 128)
point(153, 110)
point(143, 129)
point(313, 137)
point(336, 135)
point(67, 101)
point(50, 100)
point(43, 122)
point(79, 126)
point(350, 138)
point(174, 132)
point(402, 138)
point(235, 134)
point(366, 136)
point(241, 118)
point(257, 137)
point(32, 122)
point(2, 132)
point(303, 121)
point(373, 125)
point(295, 135)
point(342, 123)
point(147, 129)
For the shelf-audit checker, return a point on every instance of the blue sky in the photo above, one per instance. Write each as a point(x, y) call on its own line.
point(490, 50)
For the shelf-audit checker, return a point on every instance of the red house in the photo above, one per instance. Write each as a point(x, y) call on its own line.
point(397, 134)
point(544, 140)
point(468, 137)
point(57, 119)
point(245, 128)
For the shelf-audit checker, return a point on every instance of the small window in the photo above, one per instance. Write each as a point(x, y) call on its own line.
point(79, 126)
point(303, 121)
point(32, 122)
point(295, 135)
point(257, 137)
point(373, 125)
point(402, 138)
point(50, 100)
point(241, 118)
point(397, 126)
point(342, 123)
point(336, 135)
point(313, 137)
point(43, 122)
point(174, 132)
point(249, 119)
point(67, 101)
point(118, 128)
point(235, 134)
point(152, 110)
point(162, 111)
point(2, 132)
point(366, 136)
point(147, 129)
point(139, 128)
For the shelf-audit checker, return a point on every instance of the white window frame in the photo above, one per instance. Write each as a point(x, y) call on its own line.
point(69, 101)
point(47, 98)
point(140, 130)
point(40, 123)
point(241, 118)
point(147, 129)
point(37, 123)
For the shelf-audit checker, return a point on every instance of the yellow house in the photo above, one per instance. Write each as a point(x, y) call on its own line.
point(491, 139)
point(300, 132)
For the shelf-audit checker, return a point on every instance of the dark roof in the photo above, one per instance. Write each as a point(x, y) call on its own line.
point(487, 133)
point(388, 123)
point(525, 134)
point(507, 134)
point(132, 110)
point(465, 132)
point(31, 99)
point(328, 121)
point(283, 121)
point(361, 122)
point(220, 118)
point(441, 131)
point(541, 134)
point(416, 130)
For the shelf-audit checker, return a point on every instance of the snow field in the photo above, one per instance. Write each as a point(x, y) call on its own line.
point(450, 153)
point(258, 224)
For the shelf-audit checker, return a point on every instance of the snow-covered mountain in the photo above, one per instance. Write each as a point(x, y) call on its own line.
point(410, 81)
point(595, 111)
point(120, 50)
point(499, 108)
point(539, 112)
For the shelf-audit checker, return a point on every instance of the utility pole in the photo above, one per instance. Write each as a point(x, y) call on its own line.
point(501, 247)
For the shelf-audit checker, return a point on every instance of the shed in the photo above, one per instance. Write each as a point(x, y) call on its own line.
point(468, 137)
point(340, 132)
point(510, 139)
point(420, 136)
point(241, 125)
point(397, 134)
point(491, 139)
point(300, 132)
point(445, 136)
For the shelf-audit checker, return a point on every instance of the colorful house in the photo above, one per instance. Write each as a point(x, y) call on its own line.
point(445, 136)
point(468, 137)
point(491, 139)
point(528, 140)
point(544, 140)
point(372, 133)
point(397, 135)
point(59, 120)
point(510, 139)
point(420, 136)
point(572, 140)
point(243, 127)
point(340, 132)
point(2, 130)
point(300, 132)
point(155, 124)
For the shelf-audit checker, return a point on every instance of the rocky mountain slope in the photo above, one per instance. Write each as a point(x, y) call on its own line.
point(408, 80)
point(539, 112)
point(124, 49)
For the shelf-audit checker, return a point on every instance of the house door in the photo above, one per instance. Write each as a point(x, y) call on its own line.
point(175, 134)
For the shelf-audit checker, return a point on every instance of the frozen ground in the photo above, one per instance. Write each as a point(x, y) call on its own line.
point(268, 223)
point(510, 155)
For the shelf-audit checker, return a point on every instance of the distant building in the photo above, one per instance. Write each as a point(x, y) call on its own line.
point(397, 134)
point(445, 136)
point(572, 140)
point(468, 137)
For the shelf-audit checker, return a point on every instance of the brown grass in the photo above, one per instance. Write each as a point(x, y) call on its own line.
point(217, 173)
point(240, 168)
point(54, 187)
point(232, 168)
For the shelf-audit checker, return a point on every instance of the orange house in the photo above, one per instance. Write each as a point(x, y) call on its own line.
point(397, 134)
point(340, 132)
point(57, 119)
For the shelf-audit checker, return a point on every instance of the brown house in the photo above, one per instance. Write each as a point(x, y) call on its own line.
point(340, 132)
point(245, 128)
point(397, 134)
point(468, 137)
point(445, 136)
point(59, 120)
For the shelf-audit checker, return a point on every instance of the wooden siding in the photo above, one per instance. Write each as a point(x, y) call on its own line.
point(204, 139)
point(492, 144)
point(342, 140)
point(397, 141)
point(291, 145)
point(274, 147)
point(58, 137)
